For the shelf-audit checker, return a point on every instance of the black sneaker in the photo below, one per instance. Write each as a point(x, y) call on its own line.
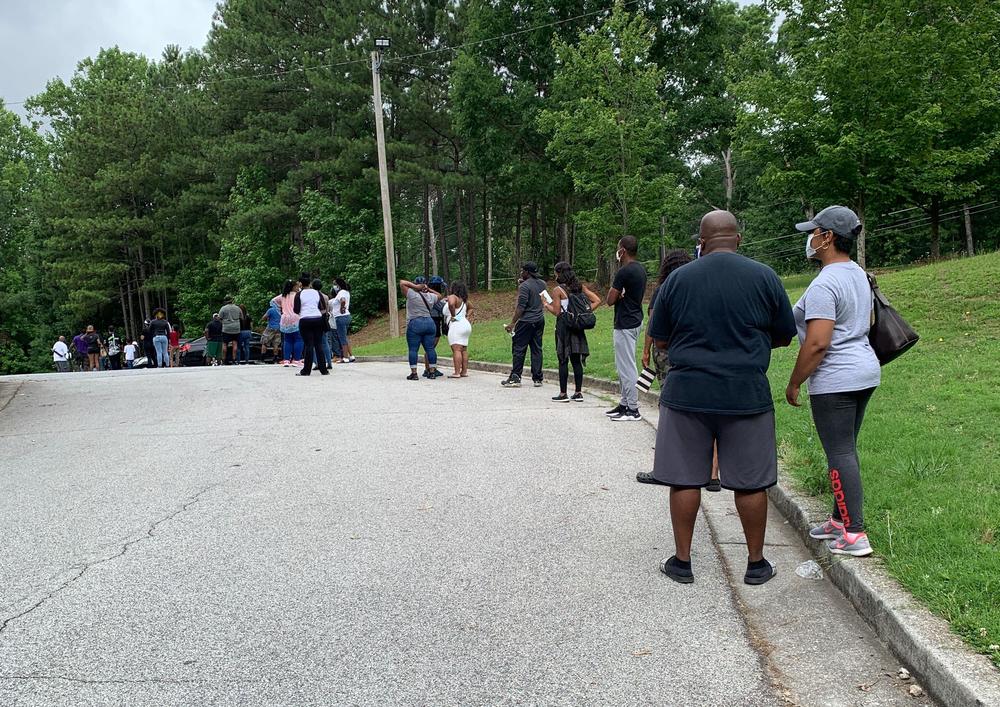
point(413, 377)
point(673, 568)
point(714, 486)
point(436, 374)
point(616, 410)
point(561, 398)
point(511, 382)
point(576, 397)
point(760, 572)
point(646, 477)
point(426, 373)
point(627, 416)
point(538, 384)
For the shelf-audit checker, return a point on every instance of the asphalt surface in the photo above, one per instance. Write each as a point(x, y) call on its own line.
point(245, 536)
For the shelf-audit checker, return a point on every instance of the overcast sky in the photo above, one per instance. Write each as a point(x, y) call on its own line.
point(42, 39)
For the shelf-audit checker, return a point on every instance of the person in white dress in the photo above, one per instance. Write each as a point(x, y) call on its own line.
point(460, 328)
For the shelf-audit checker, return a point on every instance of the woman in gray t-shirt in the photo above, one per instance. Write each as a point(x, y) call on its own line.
point(833, 318)
point(420, 328)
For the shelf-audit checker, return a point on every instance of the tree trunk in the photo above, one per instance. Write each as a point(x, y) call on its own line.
point(121, 297)
point(935, 215)
point(432, 245)
point(444, 238)
point(489, 245)
point(517, 238)
point(473, 260)
point(427, 232)
point(728, 176)
point(486, 240)
point(461, 246)
point(603, 274)
point(543, 266)
point(533, 240)
point(563, 237)
point(142, 285)
point(572, 243)
point(969, 248)
point(862, 256)
point(663, 237)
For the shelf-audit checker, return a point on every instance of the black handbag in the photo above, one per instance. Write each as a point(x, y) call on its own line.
point(890, 336)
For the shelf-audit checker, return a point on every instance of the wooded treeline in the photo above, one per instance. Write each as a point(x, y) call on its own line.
point(515, 130)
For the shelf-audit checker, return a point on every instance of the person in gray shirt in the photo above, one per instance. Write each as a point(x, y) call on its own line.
point(230, 314)
point(527, 326)
point(833, 318)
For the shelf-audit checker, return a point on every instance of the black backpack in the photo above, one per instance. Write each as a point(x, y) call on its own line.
point(578, 315)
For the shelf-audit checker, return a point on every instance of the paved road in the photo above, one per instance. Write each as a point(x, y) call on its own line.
point(244, 536)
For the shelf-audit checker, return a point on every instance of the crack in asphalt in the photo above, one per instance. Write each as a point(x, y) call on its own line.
point(82, 570)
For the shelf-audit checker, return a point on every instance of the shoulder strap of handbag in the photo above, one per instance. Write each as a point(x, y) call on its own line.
point(429, 310)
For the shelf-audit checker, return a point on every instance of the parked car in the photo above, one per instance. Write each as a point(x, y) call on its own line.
point(193, 351)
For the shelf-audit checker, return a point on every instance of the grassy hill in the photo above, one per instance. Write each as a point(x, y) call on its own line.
point(930, 447)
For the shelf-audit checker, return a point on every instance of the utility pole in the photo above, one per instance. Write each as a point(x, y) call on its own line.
point(383, 178)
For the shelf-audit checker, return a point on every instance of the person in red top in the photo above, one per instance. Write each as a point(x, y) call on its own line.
point(174, 344)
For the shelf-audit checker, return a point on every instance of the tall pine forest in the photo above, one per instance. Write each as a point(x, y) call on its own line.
point(515, 130)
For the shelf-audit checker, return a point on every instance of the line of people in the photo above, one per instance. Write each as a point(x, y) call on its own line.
point(714, 320)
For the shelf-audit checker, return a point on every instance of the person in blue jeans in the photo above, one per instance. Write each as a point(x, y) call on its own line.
point(291, 338)
point(420, 328)
point(331, 334)
point(159, 329)
point(340, 310)
point(243, 343)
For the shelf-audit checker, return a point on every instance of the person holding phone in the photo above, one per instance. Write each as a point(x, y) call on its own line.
point(527, 326)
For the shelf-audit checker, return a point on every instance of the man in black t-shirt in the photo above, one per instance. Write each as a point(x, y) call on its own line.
point(527, 326)
point(213, 341)
point(625, 295)
point(719, 317)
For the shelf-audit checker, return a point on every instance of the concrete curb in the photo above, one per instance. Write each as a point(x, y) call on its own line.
point(947, 669)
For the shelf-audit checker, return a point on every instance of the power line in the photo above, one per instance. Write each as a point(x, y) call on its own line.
point(509, 34)
point(388, 60)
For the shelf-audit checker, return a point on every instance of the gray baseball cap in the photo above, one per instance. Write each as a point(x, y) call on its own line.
point(839, 219)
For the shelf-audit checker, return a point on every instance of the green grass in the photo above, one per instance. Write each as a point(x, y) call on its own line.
point(930, 446)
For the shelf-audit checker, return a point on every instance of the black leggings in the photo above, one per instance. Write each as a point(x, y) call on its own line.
point(838, 418)
point(313, 330)
point(577, 372)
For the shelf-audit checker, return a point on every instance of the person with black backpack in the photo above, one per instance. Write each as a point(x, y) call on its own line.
point(573, 307)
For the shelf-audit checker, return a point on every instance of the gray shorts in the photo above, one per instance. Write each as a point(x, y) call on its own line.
point(748, 453)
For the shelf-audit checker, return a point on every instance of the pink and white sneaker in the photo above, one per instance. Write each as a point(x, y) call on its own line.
point(286, 363)
point(829, 530)
point(855, 544)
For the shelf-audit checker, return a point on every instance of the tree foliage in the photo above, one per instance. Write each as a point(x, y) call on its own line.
point(515, 130)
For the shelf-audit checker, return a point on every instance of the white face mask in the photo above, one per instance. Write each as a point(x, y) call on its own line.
point(810, 251)
point(618, 255)
point(697, 251)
